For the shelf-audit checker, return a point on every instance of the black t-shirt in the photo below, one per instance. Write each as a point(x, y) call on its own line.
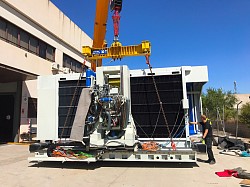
point(208, 126)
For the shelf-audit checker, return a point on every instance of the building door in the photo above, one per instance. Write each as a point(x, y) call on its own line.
point(6, 117)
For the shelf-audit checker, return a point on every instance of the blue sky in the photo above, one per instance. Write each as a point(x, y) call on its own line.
point(215, 33)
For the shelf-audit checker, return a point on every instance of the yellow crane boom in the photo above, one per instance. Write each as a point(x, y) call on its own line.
point(99, 50)
point(101, 17)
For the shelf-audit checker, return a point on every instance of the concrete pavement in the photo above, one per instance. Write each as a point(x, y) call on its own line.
point(17, 171)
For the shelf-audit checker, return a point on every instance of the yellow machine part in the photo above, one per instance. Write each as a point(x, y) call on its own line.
point(117, 51)
point(115, 82)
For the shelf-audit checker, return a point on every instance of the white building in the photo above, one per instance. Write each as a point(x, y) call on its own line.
point(242, 100)
point(36, 38)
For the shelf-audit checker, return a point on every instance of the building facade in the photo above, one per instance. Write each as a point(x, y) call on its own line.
point(36, 38)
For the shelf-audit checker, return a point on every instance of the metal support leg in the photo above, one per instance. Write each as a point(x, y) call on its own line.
point(187, 128)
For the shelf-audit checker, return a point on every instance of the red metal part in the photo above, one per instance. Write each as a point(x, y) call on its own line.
point(147, 59)
point(173, 146)
point(116, 21)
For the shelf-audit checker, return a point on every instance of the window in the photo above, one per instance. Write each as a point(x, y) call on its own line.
point(12, 33)
point(3, 28)
point(78, 67)
point(71, 63)
point(66, 61)
point(33, 47)
point(32, 107)
point(24, 40)
point(50, 55)
point(42, 49)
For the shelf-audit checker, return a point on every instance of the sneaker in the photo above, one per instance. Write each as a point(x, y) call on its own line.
point(207, 161)
point(212, 162)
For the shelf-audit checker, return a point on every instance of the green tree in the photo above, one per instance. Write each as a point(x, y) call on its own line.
point(215, 99)
point(244, 116)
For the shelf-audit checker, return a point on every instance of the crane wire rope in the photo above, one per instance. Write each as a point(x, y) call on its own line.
point(141, 128)
point(179, 126)
point(156, 122)
point(175, 136)
point(177, 117)
point(178, 141)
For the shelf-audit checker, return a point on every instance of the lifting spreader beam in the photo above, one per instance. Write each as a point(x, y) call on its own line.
point(117, 51)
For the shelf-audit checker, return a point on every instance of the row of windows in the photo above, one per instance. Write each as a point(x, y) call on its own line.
point(25, 40)
point(73, 64)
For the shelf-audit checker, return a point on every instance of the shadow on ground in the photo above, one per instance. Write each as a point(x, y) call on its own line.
point(200, 160)
point(96, 165)
point(3, 143)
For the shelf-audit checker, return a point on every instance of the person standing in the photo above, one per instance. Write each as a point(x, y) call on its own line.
point(207, 135)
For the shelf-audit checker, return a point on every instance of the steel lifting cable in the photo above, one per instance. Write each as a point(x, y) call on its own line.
point(182, 131)
point(179, 125)
point(174, 123)
point(158, 95)
point(141, 128)
point(178, 141)
point(176, 117)
point(156, 123)
point(71, 103)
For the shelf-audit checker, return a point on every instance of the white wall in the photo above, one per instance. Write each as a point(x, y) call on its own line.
point(47, 15)
point(44, 20)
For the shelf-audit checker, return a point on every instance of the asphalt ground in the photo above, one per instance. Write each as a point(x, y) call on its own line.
point(16, 171)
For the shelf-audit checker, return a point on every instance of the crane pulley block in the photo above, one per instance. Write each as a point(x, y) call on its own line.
point(116, 5)
point(117, 51)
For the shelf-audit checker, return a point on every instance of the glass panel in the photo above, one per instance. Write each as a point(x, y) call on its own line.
point(78, 67)
point(66, 61)
point(33, 44)
point(24, 40)
point(42, 49)
point(50, 53)
point(3, 28)
point(12, 31)
point(73, 65)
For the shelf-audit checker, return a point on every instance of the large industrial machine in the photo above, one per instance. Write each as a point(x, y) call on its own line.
point(112, 113)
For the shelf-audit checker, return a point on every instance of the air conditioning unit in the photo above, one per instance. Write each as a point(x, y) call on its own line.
point(66, 70)
point(55, 66)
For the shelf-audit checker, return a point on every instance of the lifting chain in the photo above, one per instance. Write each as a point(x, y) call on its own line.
point(158, 96)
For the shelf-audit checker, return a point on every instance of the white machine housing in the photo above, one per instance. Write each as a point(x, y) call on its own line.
point(117, 81)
